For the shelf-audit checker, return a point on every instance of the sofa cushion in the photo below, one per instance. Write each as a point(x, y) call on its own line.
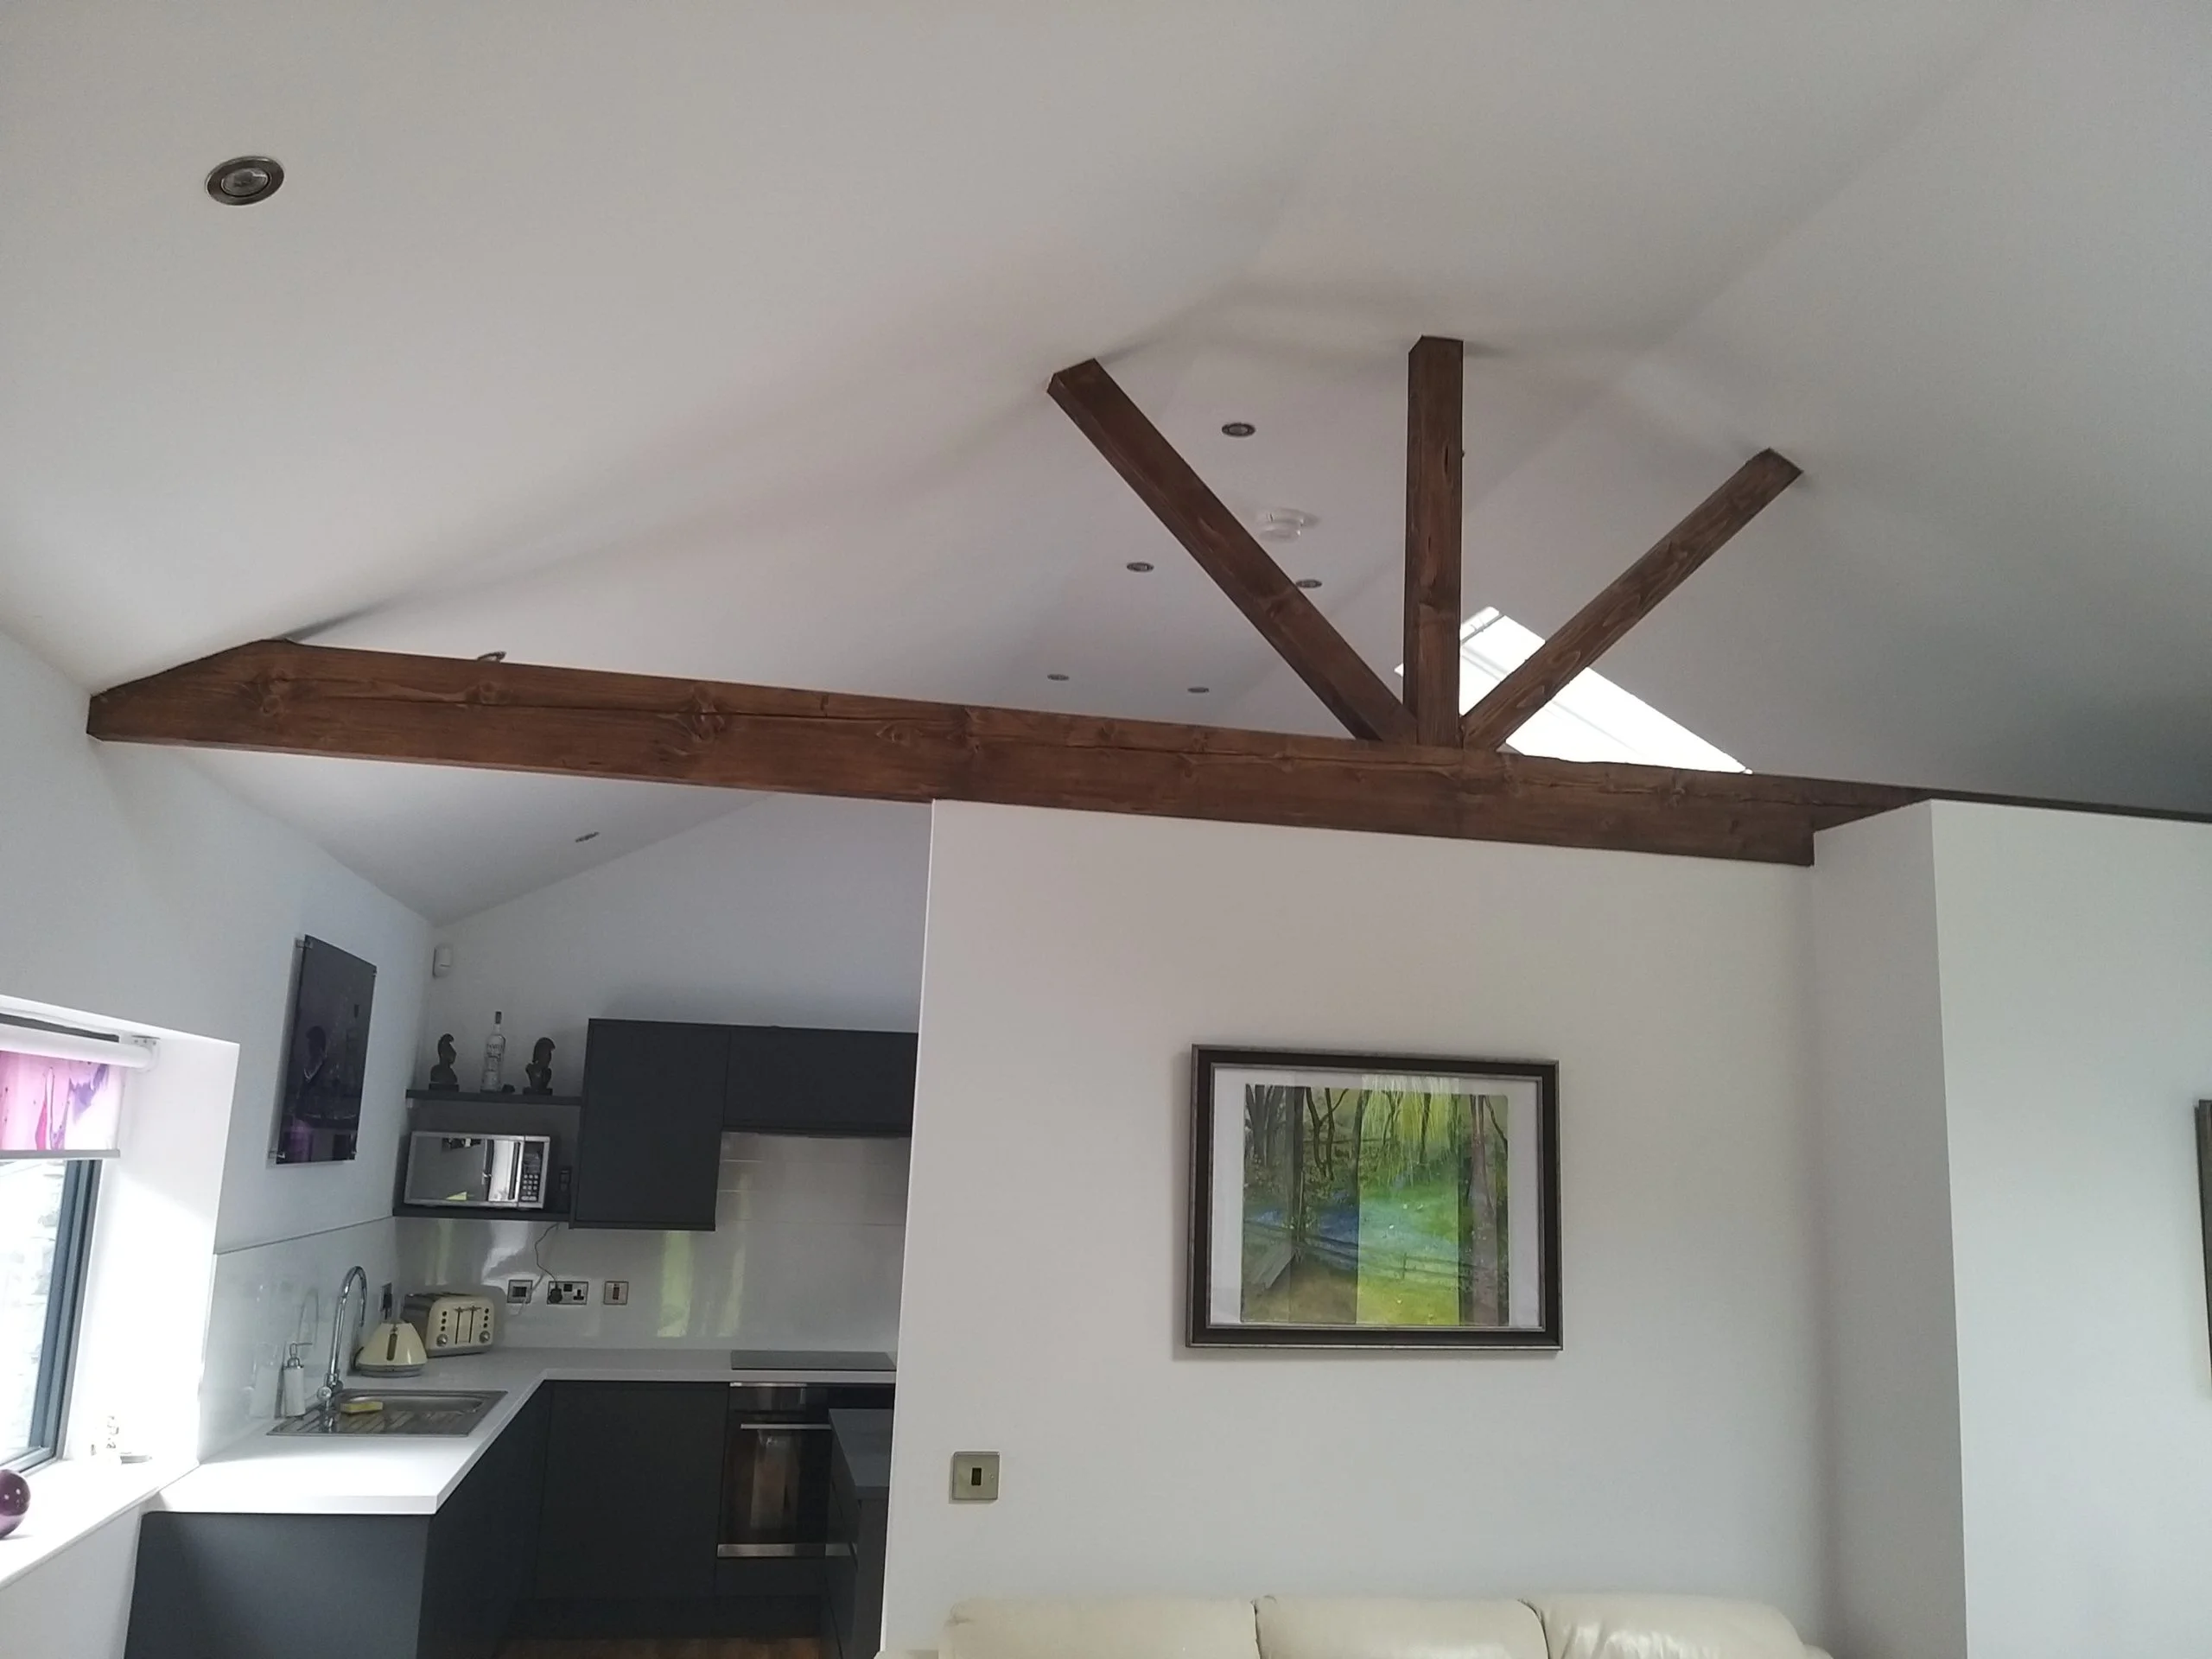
point(1664, 1627)
point(1116, 1629)
point(1358, 1627)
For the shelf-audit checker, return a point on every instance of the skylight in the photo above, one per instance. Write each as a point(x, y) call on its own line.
point(1592, 719)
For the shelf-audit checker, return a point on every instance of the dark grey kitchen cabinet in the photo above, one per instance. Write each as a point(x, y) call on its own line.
point(806, 1080)
point(649, 1133)
point(633, 1505)
point(346, 1586)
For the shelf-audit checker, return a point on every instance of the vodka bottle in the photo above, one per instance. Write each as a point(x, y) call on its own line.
point(495, 1055)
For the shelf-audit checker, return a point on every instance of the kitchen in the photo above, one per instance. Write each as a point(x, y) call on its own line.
point(573, 1490)
point(687, 1251)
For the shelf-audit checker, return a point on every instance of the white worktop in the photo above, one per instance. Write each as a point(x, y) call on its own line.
point(368, 1474)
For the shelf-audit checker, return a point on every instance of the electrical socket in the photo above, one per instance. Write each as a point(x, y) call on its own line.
point(617, 1293)
point(519, 1291)
point(566, 1292)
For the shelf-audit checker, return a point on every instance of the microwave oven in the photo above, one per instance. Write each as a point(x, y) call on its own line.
point(477, 1171)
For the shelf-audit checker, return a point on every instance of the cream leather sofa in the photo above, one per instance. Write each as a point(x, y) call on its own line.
point(1286, 1627)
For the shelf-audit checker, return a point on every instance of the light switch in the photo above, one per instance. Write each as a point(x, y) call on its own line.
point(975, 1477)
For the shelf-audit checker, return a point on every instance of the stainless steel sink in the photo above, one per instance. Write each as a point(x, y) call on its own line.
point(398, 1411)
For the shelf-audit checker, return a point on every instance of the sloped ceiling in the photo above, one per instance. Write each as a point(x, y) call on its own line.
point(712, 340)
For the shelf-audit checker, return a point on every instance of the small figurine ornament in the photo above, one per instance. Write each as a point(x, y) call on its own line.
point(540, 1069)
point(442, 1076)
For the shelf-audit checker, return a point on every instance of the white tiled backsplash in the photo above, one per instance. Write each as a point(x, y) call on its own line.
point(809, 1241)
point(270, 1294)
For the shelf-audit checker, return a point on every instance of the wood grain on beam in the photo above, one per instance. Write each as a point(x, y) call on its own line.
point(1598, 626)
point(318, 700)
point(1226, 551)
point(1435, 373)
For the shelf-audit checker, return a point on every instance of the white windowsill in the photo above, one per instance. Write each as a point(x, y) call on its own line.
point(75, 1497)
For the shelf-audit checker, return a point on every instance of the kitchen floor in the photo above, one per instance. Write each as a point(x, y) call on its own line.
point(647, 1647)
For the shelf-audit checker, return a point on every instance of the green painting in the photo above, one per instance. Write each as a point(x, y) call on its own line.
point(1368, 1206)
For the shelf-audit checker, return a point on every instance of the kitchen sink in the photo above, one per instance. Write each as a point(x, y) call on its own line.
point(399, 1411)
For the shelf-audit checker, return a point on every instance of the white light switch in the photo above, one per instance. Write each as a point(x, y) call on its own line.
point(975, 1477)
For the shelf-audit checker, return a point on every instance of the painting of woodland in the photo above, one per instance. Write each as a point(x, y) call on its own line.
point(1373, 1207)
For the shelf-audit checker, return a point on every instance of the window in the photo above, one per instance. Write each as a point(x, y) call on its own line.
point(1591, 719)
point(46, 1230)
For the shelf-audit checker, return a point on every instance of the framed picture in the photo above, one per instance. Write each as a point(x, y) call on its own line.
point(1373, 1201)
point(2204, 1190)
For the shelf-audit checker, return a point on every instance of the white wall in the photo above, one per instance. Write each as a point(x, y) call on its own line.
point(136, 886)
point(1896, 1566)
point(1073, 959)
point(136, 890)
point(795, 911)
point(2076, 982)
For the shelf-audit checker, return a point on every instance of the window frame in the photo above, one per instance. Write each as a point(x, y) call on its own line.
point(65, 1301)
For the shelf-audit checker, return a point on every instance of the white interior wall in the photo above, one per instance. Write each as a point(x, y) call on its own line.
point(136, 886)
point(793, 910)
point(138, 890)
point(1073, 959)
point(1890, 1346)
point(2076, 975)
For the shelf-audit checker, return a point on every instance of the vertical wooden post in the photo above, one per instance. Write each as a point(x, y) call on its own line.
point(1435, 371)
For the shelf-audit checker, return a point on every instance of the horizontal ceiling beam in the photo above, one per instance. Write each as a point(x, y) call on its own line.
point(1631, 596)
point(1226, 551)
point(287, 698)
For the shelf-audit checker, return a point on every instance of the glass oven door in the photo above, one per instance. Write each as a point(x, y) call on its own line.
point(776, 1472)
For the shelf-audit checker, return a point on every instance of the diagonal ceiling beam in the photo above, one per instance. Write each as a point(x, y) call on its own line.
point(1598, 626)
point(1225, 551)
point(298, 699)
point(1435, 373)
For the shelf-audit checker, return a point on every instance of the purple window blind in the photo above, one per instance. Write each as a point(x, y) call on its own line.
point(58, 1109)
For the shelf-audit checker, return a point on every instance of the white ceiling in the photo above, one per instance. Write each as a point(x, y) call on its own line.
point(712, 340)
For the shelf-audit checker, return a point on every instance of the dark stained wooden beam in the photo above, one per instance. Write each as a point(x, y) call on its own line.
point(1225, 551)
point(1435, 373)
point(509, 717)
point(1598, 626)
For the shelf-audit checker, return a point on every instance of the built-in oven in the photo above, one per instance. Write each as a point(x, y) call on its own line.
point(491, 1172)
point(776, 1472)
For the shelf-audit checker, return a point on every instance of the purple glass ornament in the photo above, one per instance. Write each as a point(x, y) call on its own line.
point(15, 1498)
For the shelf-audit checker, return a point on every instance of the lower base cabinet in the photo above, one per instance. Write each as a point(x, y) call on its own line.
point(348, 1587)
point(595, 1514)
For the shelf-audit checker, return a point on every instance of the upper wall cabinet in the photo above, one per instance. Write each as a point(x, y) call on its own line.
point(648, 1137)
point(797, 1080)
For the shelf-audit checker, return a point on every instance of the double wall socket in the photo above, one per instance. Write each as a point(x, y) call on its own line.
point(564, 1293)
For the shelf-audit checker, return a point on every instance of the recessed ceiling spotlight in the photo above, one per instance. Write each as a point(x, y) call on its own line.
point(490, 656)
point(1237, 429)
point(1199, 690)
point(245, 179)
point(1281, 524)
point(1309, 582)
point(589, 834)
point(1061, 678)
point(1138, 565)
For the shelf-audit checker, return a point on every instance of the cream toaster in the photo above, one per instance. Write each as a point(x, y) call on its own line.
point(453, 1321)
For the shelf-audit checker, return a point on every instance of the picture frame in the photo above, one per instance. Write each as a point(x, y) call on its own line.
point(2204, 1192)
point(1373, 1201)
